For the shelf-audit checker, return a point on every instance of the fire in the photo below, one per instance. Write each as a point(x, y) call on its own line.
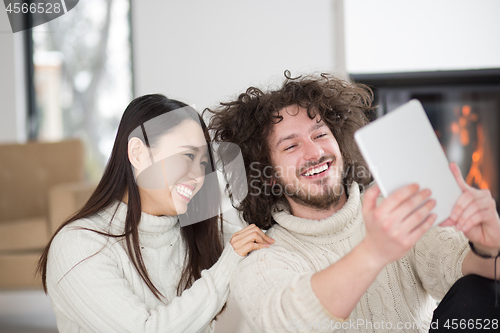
point(461, 128)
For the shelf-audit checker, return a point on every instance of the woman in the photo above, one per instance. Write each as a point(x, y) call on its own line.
point(123, 263)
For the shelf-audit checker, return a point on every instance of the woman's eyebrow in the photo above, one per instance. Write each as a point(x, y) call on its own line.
point(190, 147)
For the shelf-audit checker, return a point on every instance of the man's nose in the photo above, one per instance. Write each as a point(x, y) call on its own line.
point(313, 151)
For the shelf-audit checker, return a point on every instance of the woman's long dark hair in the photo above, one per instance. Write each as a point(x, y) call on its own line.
point(203, 240)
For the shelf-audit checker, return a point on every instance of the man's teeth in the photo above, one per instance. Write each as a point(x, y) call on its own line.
point(316, 170)
point(182, 190)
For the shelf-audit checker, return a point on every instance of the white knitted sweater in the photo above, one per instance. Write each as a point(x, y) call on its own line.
point(272, 286)
point(94, 287)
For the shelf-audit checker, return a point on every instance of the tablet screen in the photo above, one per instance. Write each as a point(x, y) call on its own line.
point(401, 148)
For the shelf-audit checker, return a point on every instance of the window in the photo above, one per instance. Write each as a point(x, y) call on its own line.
point(82, 77)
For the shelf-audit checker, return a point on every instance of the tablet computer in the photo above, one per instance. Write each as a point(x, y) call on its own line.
point(401, 148)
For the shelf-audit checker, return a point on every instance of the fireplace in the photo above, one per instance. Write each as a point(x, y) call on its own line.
point(464, 110)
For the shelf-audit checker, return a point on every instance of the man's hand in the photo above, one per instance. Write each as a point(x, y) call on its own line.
point(394, 227)
point(475, 214)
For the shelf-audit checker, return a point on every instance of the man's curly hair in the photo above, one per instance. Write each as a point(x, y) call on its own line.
point(248, 122)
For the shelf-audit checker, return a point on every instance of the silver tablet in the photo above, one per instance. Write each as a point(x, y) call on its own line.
point(401, 148)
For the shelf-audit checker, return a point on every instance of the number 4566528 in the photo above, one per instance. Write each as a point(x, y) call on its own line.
point(47, 8)
point(472, 324)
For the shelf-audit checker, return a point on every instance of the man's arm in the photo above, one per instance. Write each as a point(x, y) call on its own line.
point(392, 229)
point(272, 287)
point(476, 216)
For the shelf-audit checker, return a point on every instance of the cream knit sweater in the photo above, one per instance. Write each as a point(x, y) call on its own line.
point(272, 286)
point(94, 287)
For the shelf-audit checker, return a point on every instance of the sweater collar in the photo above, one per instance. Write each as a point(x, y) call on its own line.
point(333, 224)
point(149, 224)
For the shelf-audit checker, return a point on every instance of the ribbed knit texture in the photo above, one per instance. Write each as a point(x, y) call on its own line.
point(273, 286)
point(94, 287)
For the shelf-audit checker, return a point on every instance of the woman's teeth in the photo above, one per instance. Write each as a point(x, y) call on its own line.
point(316, 170)
point(184, 191)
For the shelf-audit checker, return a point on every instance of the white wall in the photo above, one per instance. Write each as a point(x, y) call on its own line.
point(203, 52)
point(421, 35)
point(12, 89)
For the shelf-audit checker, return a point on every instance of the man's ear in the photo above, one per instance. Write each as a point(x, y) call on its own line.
point(137, 154)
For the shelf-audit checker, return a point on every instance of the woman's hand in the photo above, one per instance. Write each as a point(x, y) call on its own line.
point(248, 239)
point(475, 214)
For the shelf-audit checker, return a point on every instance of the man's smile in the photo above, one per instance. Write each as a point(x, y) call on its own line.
point(317, 171)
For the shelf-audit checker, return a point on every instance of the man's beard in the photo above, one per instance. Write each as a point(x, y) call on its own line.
point(302, 195)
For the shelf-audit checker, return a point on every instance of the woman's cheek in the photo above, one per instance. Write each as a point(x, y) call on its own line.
point(175, 168)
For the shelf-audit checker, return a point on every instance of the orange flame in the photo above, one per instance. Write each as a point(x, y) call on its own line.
point(475, 176)
point(460, 128)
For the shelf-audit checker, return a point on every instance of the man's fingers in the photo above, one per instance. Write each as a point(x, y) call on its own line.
point(408, 206)
point(477, 218)
point(462, 203)
point(370, 198)
point(397, 198)
point(472, 208)
point(458, 176)
point(422, 228)
point(415, 219)
point(447, 223)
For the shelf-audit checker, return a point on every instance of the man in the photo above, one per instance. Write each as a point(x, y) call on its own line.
point(340, 262)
